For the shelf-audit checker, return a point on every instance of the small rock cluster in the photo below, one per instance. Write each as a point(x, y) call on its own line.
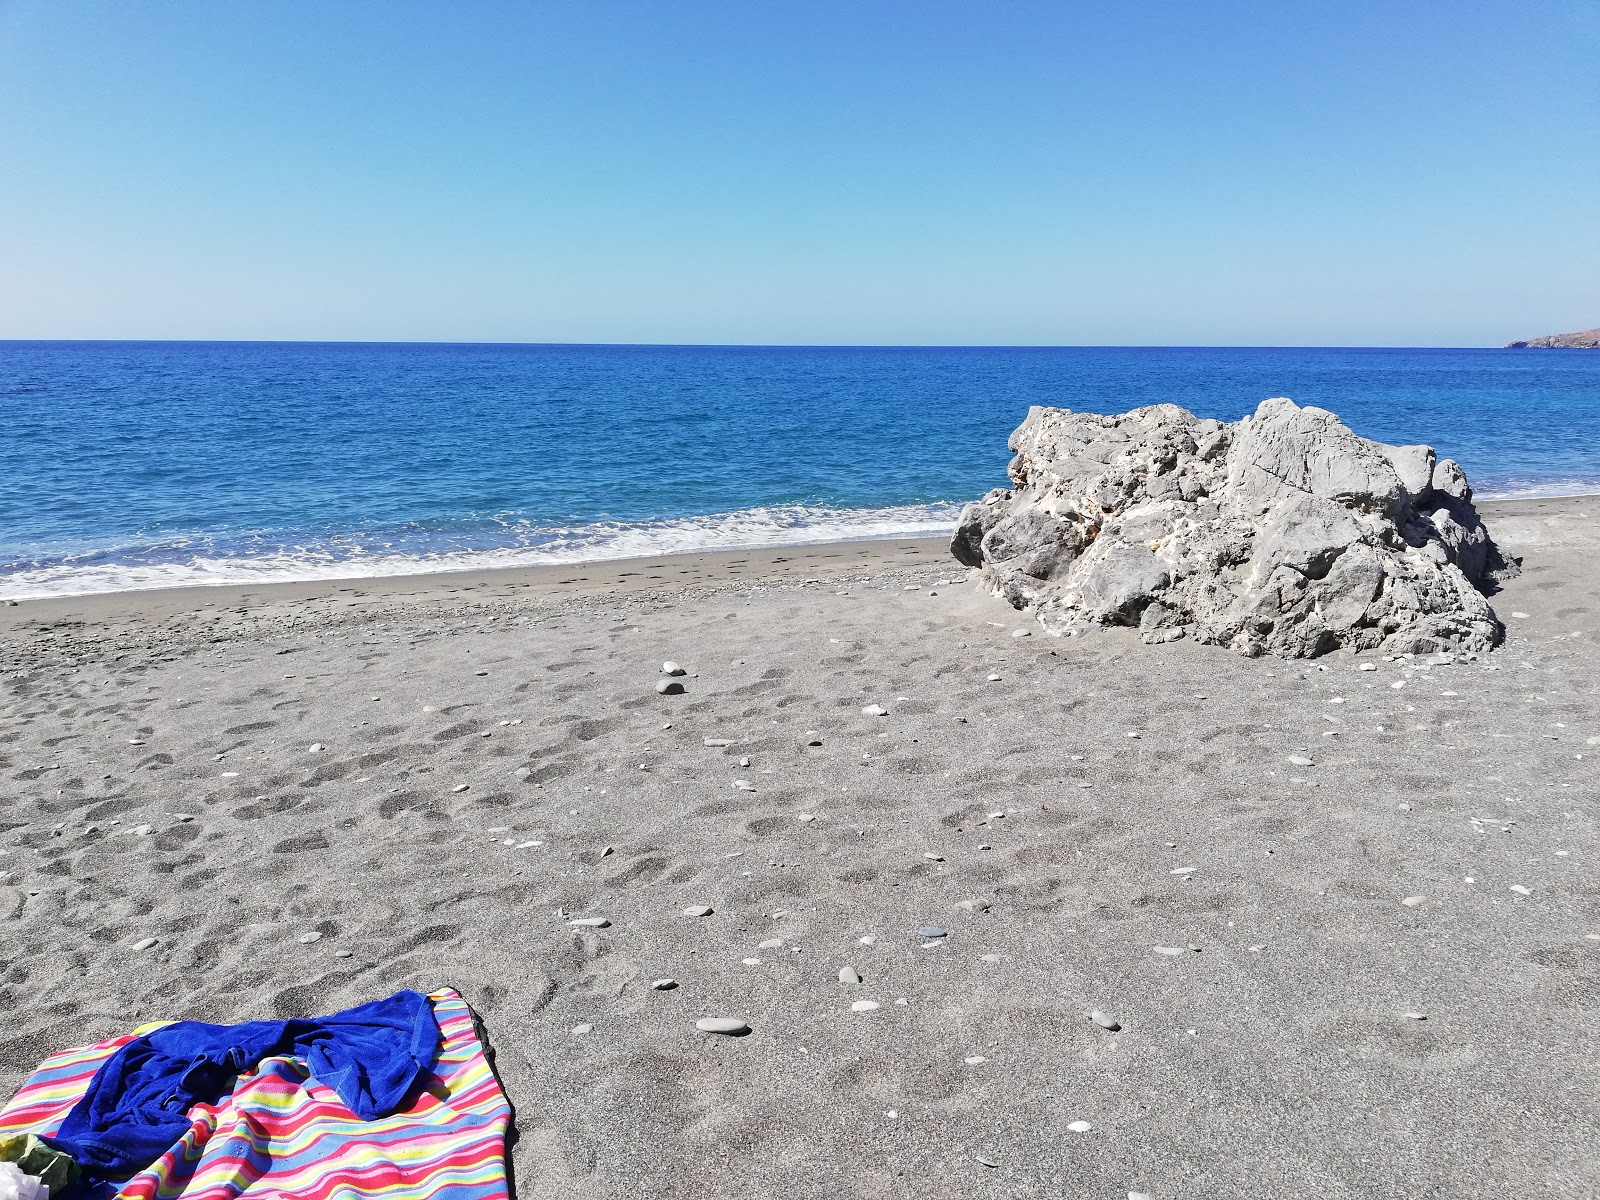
point(1284, 532)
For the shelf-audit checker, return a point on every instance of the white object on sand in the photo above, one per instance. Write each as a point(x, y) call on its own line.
point(724, 1025)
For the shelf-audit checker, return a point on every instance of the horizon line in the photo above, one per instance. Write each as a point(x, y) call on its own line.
point(747, 345)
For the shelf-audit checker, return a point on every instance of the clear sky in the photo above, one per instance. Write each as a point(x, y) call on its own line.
point(801, 171)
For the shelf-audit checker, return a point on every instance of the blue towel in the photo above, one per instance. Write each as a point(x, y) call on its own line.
point(137, 1105)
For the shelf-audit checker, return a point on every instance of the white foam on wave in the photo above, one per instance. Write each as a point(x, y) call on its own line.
point(1535, 489)
point(745, 529)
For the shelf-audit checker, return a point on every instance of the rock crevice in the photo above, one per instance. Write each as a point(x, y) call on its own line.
point(1281, 533)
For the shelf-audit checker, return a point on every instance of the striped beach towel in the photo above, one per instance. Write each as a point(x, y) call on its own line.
point(283, 1134)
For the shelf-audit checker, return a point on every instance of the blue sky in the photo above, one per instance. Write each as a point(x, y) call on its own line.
point(801, 171)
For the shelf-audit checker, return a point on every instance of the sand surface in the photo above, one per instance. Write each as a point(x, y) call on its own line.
point(431, 772)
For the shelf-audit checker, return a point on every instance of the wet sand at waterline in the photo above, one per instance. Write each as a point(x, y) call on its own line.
point(1346, 921)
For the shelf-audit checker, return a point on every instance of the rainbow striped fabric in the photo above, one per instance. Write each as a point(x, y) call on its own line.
point(283, 1134)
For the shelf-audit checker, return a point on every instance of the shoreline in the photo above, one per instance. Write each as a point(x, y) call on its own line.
point(628, 574)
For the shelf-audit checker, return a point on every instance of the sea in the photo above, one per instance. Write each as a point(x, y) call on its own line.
point(132, 465)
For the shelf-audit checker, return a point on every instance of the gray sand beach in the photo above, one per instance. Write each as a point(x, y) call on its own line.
point(1340, 917)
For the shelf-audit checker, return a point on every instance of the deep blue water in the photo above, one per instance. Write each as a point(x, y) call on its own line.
point(137, 464)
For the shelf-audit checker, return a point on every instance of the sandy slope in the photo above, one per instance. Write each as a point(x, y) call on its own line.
point(1271, 1055)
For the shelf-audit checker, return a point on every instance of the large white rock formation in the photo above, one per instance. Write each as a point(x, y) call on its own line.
point(1284, 532)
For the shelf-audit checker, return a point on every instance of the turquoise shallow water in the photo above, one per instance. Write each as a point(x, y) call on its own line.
point(145, 464)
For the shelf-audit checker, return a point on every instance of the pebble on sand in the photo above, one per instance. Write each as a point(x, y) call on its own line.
point(669, 687)
point(849, 975)
point(1520, 890)
point(1169, 951)
point(663, 985)
point(863, 1005)
point(973, 906)
point(145, 943)
point(1105, 1021)
point(874, 710)
point(461, 787)
point(730, 1026)
point(1413, 901)
point(1300, 760)
point(671, 668)
point(311, 935)
point(580, 1030)
point(590, 922)
point(1080, 1127)
point(699, 910)
point(931, 931)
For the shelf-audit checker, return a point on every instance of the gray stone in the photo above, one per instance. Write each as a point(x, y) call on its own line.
point(931, 931)
point(730, 1026)
point(849, 975)
point(669, 687)
point(1104, 1021)
point(145, 943)
point(699, 910)
point(1281, 533)
point(671, 668)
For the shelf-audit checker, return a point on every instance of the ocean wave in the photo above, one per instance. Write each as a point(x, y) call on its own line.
point(198, 560)
point(1512, 488)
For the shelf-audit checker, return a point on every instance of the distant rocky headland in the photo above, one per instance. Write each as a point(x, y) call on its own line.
point(1589, 339)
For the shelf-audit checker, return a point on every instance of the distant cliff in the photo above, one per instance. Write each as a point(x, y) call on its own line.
point(1589, 339)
